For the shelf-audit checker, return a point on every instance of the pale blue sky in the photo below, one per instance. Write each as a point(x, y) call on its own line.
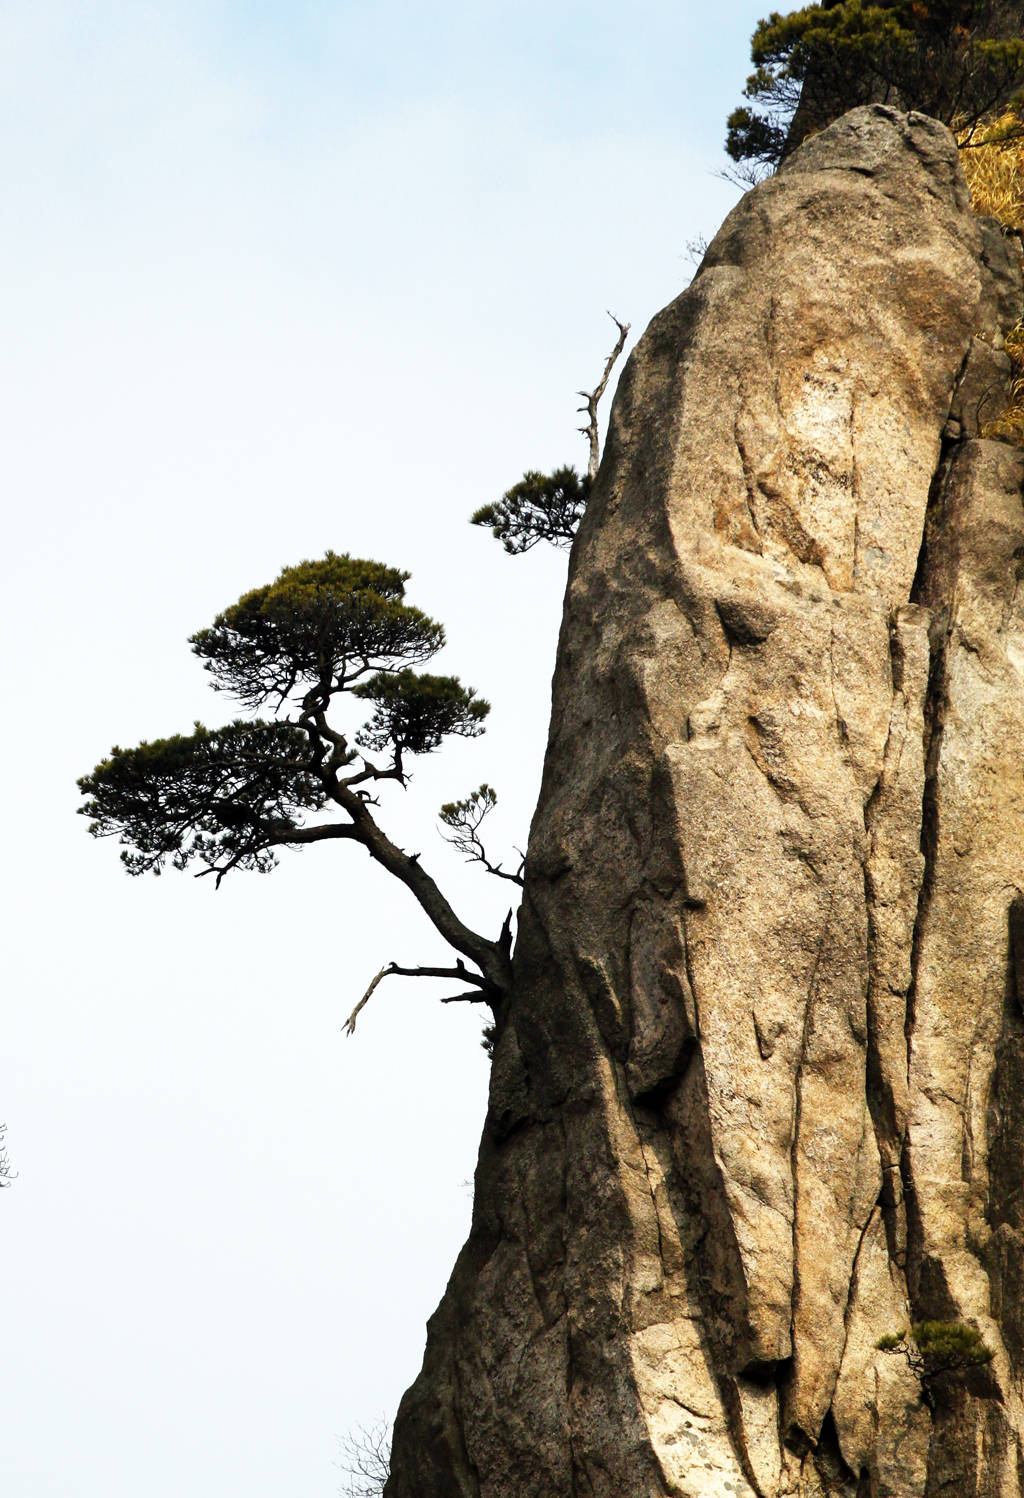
point(279, 278)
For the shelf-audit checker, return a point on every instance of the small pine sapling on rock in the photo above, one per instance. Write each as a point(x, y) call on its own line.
point(541, 507)
point(550, 506)
point(933, 1349)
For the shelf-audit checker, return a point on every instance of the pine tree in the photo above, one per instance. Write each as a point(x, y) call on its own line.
point(961, 61)
point(230, 798)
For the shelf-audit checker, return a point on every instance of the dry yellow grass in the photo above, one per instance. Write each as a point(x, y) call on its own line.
point(993, 163)
point(1009, 427)
point(994, 168)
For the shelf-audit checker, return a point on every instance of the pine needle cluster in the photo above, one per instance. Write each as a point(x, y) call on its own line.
point(540, 507)
point(934, 1348)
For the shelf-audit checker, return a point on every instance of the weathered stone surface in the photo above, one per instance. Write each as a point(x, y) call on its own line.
point(759, 1099)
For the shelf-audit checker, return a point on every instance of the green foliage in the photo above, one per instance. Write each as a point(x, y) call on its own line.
point(757, 138)
point(228, 797)
point(541, 507)
point(415, 712)
point(324, 623)
point(949, 1346)
point(217, 796)
point(463, 818)
point(960, 61)
point(549, 506)
point(934, 1348)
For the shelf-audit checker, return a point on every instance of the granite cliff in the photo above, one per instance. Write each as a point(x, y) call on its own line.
point(758, 1100)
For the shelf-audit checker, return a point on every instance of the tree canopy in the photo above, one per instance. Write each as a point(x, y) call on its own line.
point(229, 798)
point(328, 622)
point(961, 61)
point(540, 507)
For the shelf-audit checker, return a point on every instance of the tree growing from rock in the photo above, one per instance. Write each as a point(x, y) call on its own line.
point(550, 506)
point(540, 507)
point(230, 798)
point(961, 61)
point(933, 1349)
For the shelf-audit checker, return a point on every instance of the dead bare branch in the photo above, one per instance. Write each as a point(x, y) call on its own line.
point(459, 972)
point(592, 397)
point(350, 1023)
point(366, 1460)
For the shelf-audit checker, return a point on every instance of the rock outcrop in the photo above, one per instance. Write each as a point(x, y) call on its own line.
point(759, 1099)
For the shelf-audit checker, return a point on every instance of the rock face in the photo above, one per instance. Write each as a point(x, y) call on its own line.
point(759, 1099)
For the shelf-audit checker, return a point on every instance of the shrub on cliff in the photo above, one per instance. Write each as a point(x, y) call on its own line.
point(934, 1349)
